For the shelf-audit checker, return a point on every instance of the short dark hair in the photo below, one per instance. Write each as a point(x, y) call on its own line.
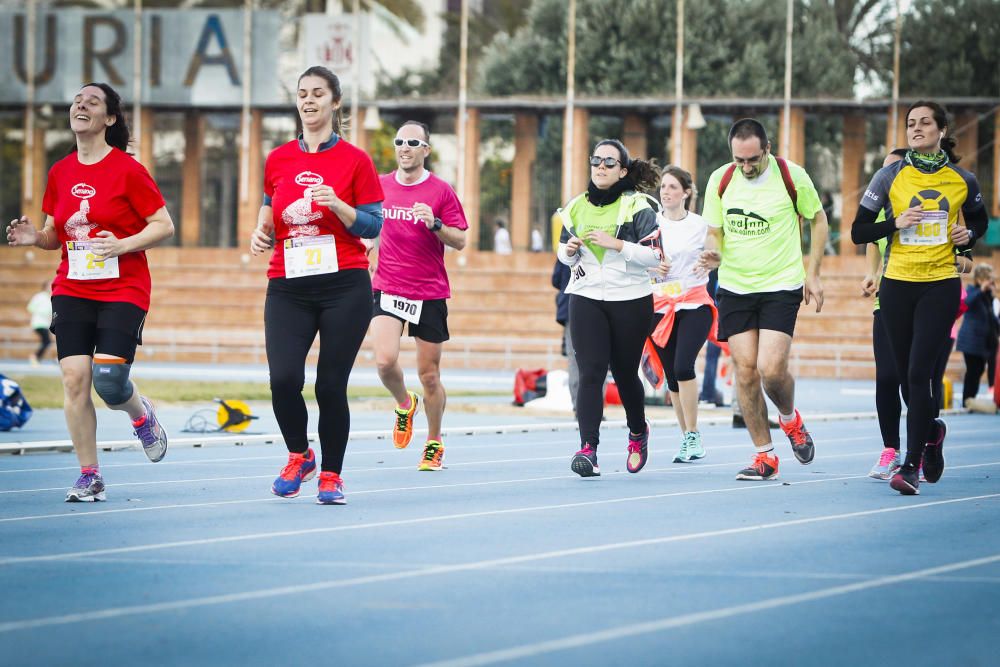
point(899, 152)
point(746, 128)
point(422, 126)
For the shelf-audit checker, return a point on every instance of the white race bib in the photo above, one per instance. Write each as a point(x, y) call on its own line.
point(662, 287)
point(85, 265)
point(931, 230)
point(310, 256)
point(408, 309)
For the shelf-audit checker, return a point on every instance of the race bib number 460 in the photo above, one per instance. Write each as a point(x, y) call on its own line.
point(84, 264)
point(408, 309)
point(931, 230)
point(310, 256)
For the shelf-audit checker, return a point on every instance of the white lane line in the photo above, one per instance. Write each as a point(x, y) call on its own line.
point(377, 524)
point(659, 625)
point(436, 571)
point(398, 522)
point(674, 469)
point(727, 442)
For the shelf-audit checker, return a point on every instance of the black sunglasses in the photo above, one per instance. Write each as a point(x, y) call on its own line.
point(608, 161)
point(412, 143)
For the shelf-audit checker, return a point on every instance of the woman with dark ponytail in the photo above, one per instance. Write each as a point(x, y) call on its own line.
point(610, 240)
point(321, 198)
point(103, 211)
point(920, 290)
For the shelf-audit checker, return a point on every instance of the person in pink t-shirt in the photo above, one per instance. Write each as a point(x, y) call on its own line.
point(422, 215)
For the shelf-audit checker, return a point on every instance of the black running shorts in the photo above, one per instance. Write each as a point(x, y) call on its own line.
point(776, 311)
point(85, 327)
point(433, 324)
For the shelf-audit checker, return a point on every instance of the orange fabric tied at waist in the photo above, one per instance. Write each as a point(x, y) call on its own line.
point(668, 306)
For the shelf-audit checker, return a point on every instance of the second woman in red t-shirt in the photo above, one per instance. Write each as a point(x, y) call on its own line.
point(321, 197)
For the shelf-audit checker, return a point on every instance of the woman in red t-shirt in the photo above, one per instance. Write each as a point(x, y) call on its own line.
point(102, 211)
point(321, 197)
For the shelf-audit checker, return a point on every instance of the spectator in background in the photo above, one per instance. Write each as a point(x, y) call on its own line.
point(40, 307)
point(501, 239)
point(977, 338)
point(537, 242)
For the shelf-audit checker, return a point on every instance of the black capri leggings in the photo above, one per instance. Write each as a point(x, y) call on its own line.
point(688, 336)
point(917, 317)
point(609, 333)
point(887, 402)
point(338, 306)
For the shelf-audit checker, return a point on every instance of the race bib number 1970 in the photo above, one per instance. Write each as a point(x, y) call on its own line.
point(408, 309)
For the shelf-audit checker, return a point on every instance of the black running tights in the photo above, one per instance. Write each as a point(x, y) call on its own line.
point(917, 317)
point(688, 336)
point(338, 306)
point(609, 333)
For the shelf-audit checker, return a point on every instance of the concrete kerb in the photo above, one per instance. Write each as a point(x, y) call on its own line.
point(25, 447)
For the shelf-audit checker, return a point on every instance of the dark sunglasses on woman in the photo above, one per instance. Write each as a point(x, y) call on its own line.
point(609, 162)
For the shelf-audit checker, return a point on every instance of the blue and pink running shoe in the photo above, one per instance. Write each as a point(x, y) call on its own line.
point(300, 468)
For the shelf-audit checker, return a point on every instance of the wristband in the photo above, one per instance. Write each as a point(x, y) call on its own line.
point(437, 225)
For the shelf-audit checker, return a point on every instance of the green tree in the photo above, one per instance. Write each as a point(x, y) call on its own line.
point(497, 17)
point(631, 50)
point(950, 49)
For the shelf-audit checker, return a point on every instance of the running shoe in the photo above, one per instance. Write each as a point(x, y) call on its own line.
point(682, 455)
point(300, 468)
point(695, 450)
point(887, 466)
point(151, 434)
point(433, 456)
point(933, 462)
point(906, 481)
point(802, 442)
point(764, 467)
point(88, 488)
point(402, 432)
point(331, 489)
point(638, 447)
point(584, 462)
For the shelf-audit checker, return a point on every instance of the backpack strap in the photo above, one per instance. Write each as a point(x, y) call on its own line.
point(786, 178)
point(727, 176)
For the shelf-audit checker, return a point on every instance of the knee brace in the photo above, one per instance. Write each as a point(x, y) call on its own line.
point(111, 382)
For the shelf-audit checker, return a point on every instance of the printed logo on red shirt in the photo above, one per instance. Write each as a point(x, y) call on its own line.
point(308, 179)
point(78, 225)
point(83, 191)
point(300, 213)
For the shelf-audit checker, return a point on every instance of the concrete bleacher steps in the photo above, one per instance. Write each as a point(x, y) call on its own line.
point(208, 307)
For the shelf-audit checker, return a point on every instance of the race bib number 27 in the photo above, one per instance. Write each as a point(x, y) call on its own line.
point(310, 256)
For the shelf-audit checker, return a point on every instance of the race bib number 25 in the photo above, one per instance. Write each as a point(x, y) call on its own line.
point(84, 264)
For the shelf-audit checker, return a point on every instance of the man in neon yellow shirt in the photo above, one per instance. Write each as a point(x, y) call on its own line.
point(753, 207)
